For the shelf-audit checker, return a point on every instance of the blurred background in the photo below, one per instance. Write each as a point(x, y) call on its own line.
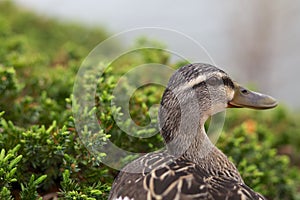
point(257, 42)
point(43, 44)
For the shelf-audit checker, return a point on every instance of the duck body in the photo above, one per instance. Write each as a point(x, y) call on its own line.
point(190, 167)
point(166, 177)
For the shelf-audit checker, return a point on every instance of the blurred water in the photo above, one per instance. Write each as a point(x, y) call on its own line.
point(255, 41)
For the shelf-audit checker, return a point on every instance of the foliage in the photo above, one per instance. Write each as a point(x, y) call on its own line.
point(29, 191)
point(258, 163)
point(72, 190)
point(41, 150)
point(8, 168)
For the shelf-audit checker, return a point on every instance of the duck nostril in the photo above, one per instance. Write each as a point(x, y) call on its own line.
point(244, 91)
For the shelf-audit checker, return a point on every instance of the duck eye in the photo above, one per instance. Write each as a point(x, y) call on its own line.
point(213, 81)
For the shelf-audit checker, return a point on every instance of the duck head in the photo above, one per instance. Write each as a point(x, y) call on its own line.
point(197, 91)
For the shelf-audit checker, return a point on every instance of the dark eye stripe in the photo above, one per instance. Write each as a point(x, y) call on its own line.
point(228, 82)
point(198, 85)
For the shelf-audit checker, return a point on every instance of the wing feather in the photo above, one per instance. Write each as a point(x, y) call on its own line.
point(180, 179)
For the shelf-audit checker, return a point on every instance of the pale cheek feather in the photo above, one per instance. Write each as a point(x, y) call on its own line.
point(193, 82)
point(230, 93)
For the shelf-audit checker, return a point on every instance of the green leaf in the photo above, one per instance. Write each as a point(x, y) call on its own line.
point(15, 161)
point(40, 180)
point(2, 154)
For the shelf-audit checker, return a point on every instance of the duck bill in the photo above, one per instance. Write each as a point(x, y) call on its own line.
point(244, 98)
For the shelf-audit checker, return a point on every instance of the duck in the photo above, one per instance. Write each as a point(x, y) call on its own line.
point(191, 166)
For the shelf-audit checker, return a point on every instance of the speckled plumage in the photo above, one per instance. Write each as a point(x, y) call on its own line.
point(191, 167)
point(178, 178)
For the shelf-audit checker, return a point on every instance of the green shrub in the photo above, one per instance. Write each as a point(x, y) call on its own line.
point(258, 163)
point(8, 168)
point(29, 191)
point(72, 190)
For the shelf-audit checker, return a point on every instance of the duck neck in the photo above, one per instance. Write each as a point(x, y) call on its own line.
point(184, 133)
point(191, 142)
point(200, 147)
point(182, 127)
